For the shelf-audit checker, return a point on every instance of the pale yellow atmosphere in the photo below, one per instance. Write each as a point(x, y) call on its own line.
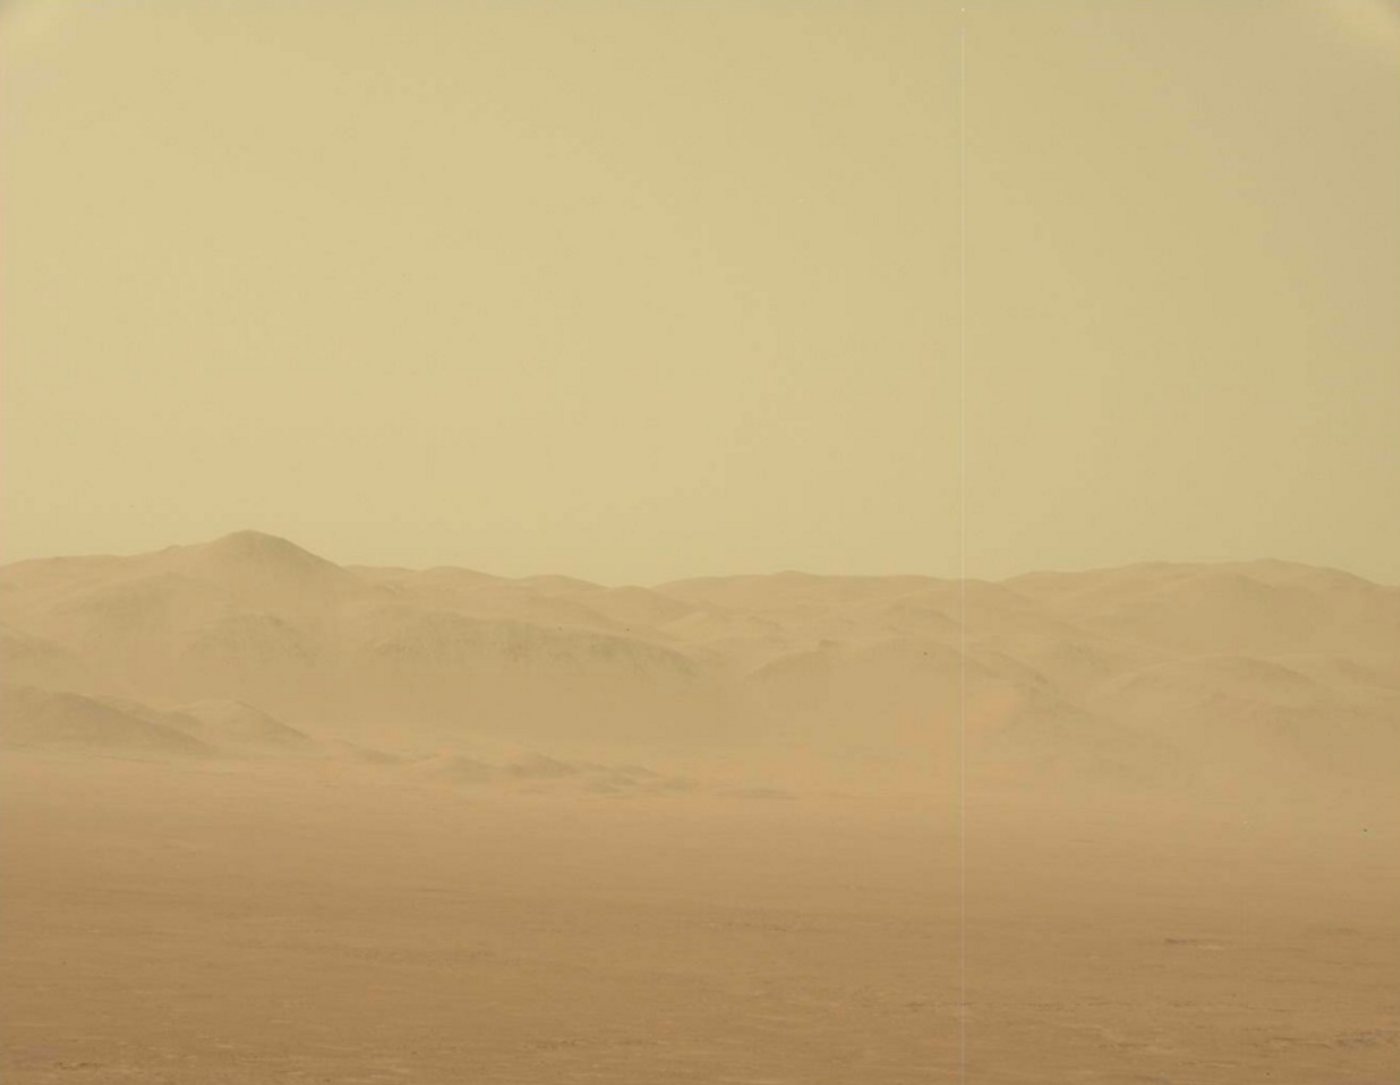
point(633, 291)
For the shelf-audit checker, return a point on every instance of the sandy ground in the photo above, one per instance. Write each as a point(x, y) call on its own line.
point(334, 924)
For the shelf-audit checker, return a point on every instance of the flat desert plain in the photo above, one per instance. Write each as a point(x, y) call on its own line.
point(269, 819)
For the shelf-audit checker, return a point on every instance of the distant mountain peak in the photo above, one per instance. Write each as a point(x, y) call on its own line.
point(251, 541)
point(258, 546)
point(255, 560)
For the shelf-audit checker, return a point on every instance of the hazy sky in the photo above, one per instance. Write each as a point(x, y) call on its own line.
point(633, 290)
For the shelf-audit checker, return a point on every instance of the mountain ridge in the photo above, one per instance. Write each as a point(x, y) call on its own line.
point(1237, 661)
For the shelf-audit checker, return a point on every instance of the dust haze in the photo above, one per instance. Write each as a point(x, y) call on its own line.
point(770, 543)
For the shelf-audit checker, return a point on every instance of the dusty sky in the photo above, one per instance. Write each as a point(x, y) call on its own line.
point(633, 290)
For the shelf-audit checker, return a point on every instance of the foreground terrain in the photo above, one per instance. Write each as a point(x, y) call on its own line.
point(251, 925)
